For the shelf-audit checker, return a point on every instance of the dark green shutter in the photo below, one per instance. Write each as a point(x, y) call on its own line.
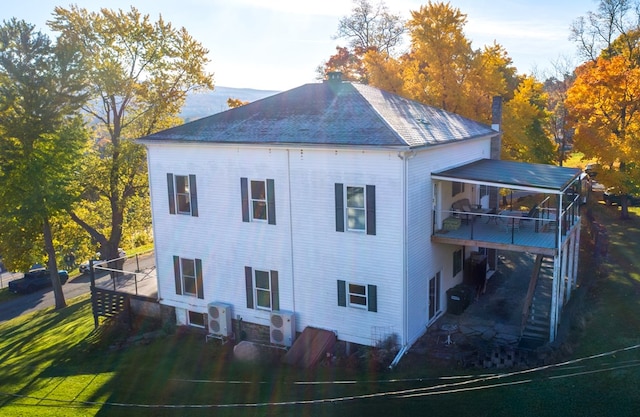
point(371, 209)
point(244, 191)
point(271, 202)
point(199, 288)
point(176, 273)
point(275, 296)
point(339, 207)
point(172, 195)
point(342, 293)
point(248, 279)
point(372, 298)
point(193, 191)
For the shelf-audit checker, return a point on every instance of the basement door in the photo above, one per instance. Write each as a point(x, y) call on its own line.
point(434, 296)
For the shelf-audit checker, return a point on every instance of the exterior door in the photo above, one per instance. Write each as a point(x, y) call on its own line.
point(434, 296)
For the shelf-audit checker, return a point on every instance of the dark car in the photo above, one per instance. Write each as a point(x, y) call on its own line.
point(592, 170)
point(34, 280)
point(614, 196)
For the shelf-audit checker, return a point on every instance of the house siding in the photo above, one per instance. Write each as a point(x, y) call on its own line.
point(218, 235)
point(303, 246)
point(322, 256)
point(425, 259)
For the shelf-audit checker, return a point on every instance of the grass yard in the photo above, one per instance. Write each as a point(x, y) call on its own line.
point(55, 364)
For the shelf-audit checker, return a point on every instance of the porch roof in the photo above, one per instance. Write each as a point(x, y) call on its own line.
point(512, 174)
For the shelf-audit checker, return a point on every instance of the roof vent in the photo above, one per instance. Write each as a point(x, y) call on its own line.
point(334, 77)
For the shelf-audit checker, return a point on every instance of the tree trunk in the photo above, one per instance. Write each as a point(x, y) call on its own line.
point(624, 207)
point(52, 265)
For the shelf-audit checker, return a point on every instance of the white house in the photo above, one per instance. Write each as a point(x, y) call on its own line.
point(318, 206)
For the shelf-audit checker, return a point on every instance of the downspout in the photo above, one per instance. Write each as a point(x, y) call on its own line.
point(405, 258)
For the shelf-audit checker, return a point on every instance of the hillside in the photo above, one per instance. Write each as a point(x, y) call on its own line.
point(205, 104)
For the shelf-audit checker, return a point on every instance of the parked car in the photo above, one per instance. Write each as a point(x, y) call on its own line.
point(85, 268)
point(613, 196)
point(34, 280)
point(592, 170)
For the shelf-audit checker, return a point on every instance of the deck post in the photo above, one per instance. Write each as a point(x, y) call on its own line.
point(553, 314)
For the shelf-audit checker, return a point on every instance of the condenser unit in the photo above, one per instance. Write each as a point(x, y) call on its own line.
point(282, 328)
point(219, 319)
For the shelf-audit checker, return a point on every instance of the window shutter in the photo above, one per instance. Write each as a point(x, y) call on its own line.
point(172, 194)
point(371, 209)
point(271, 202)
point(248, 278)
point(176, 273)
point(342, 293)
point(339, 207)
point(372, 298)
point(275, 296)
point(244, 190)
point(199, 288)
point(193, 191)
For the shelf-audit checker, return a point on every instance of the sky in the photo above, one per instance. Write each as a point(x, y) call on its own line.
point(278, 44)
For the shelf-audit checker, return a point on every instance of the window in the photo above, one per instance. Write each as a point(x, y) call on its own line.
point(258, 200)
point(262, 289)
point(188, 277)
point(355, 209)
point(457, 262)
point(197, 319)
point(457, 188)
point(359, 212)
point(357, 295)
point(183, 197)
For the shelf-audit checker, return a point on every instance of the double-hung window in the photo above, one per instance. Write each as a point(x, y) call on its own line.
point(183, 195)
point(258, 200)
point(356, 212)
point(351, 294)
point(262, 289)
point(188, 276)
point(355, 208)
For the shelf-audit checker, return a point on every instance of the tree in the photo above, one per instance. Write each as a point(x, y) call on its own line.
point(525, 116)
point(371, 27)
point(443, 70)
point(139, 74)
point(604, 100)
point(368, 29)
point(235, 102)
point(41, 86)
point(556, 87)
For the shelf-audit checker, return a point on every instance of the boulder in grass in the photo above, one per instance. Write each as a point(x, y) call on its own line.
point(246, 352)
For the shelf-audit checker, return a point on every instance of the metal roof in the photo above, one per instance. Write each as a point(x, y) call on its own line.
point(513, 174)
point(330, 113)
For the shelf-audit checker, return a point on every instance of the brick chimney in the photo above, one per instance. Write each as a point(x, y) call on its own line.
point(334, 77)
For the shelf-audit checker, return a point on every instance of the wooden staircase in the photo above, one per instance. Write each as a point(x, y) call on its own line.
point(537, 312)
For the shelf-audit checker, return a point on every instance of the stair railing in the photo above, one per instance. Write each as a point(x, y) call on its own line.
point(531, 291)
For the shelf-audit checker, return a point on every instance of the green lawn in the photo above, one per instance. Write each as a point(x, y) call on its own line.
point(55, 364)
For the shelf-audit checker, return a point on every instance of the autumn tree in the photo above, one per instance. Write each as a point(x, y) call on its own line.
point(41, 87)
point(139, 73)
point(524, 121)
point(442, 69)
point(604, 100)
point(235, 102)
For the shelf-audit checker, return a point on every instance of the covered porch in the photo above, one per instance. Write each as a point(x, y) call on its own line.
point(493, 205)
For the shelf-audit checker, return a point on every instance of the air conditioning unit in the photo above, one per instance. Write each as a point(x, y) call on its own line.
point(219, 319)
point(282, 328)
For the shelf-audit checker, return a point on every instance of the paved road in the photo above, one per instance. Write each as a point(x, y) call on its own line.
point(79, 285)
